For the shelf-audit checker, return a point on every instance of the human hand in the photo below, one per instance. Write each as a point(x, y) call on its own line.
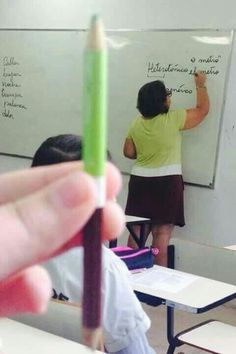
point(41, 209)
point(200, 79)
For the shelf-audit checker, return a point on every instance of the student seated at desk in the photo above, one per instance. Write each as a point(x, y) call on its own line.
point(124, 321)
point(39, 211)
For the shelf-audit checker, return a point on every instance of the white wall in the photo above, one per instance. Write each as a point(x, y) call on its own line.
point(210, 214)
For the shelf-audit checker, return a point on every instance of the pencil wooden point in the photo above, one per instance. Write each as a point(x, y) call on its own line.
point(92, 337)
point(96, 38)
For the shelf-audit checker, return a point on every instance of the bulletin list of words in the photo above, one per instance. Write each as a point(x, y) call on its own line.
point(209, 65)
point(11, 90)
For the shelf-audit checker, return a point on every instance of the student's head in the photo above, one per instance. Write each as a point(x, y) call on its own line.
point(153, 99)
point(60, 148)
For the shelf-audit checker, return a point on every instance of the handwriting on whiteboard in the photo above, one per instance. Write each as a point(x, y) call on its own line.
point(208, 65)
point(11, 90)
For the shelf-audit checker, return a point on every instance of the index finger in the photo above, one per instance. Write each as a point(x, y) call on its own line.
point(19, 184)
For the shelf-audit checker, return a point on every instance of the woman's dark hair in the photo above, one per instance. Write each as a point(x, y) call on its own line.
point(60, 148)
point(152, 99)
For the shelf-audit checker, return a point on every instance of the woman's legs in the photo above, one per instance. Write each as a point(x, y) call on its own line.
point(161, 236)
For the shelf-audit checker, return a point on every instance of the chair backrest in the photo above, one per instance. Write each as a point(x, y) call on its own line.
point(62, 319)
point(205, 260)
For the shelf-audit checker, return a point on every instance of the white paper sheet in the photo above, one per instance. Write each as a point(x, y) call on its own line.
point(163, 279)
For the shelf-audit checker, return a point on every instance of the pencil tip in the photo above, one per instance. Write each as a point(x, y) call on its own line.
point(92, 337)
point(96, 35)
point(95, 18)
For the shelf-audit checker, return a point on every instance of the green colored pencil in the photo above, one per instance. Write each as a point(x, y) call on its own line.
point(94, 156)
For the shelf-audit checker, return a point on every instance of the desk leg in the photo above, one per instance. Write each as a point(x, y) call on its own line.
point(172, 340)
point(113, 243)
point(142, 239)
point(171, 257)
point(135, 237)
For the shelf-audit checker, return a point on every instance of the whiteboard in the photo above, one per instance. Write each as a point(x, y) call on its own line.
point(41, 75)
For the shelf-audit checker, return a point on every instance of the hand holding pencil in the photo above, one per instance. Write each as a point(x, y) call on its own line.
point(94, 156)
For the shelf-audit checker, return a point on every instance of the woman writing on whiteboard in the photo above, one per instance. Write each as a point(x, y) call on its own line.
point(154, 140)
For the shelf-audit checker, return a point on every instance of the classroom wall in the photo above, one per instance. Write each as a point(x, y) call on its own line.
point(210, 214)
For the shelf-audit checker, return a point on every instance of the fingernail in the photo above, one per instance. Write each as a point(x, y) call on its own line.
point(73, 190)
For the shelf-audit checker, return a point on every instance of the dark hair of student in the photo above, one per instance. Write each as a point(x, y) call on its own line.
point(152, 99)
point(60, 148)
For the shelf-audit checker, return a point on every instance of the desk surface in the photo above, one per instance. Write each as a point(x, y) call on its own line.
point(134, 219)
point(214, 336)
point(182, 290)
point(22, 339)
point(232, 247)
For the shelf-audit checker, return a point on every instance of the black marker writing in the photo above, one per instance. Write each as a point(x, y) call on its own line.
point(11, 91)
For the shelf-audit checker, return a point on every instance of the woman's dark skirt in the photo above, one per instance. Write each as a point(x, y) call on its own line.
point(157, 198)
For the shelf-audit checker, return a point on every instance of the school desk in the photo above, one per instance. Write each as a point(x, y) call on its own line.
point(135, 221)
point(18, 338)
point(139, 238)
point(181, 291)
point(213, 336)
point(232, 247)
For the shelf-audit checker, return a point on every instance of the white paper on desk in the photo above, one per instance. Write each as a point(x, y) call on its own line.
point(164, 279)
